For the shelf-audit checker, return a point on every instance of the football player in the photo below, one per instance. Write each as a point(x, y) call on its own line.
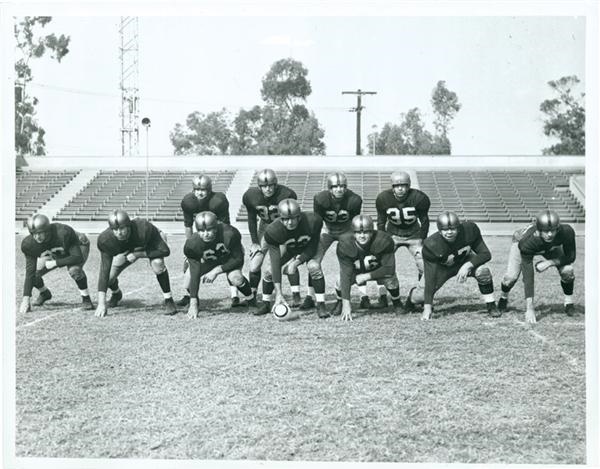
point(202, 199)
point(215, 249)
point(456, 250)
point(365, 255)
point(123, 243)
point(403, 211)
point(337, 206)
point(553, 240)
point(50, 246)
point(261, 202)
point(292, 239)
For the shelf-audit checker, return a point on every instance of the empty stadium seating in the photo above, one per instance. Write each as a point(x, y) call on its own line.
point(35, 188)
point(484, 196)
point(126, 190)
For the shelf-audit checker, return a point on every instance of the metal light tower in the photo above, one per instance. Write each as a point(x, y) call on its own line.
point(128, 54)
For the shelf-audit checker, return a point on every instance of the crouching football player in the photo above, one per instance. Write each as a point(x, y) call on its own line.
point(292, 240)
point(50, 246)
point(456, 250)
point(123, 243)
point(553, 240)
point(365, 255)
point(215, 249)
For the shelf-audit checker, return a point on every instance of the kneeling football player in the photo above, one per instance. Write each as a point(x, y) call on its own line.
point(456, 250)
point(553, 240)
point(123, 243)
point(292, 240)
point(365, 255)
point(215, 249)
point(50, 246)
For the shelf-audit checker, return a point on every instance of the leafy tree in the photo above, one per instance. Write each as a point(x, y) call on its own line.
point(285, 84)
point(565, 118)
point(29, 135)
point(209, 134)
point(410, 136)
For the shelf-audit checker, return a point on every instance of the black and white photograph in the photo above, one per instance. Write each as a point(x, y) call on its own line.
point(298, 235)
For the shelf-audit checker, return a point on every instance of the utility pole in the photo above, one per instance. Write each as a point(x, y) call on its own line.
point(358, 110)
point(128, 56)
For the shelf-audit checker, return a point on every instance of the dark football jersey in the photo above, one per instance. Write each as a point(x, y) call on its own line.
point(144, 236)
point(62, 245)
point(259, 206)
point(225, 250)
point(215, 202)
point(303, 240)
point(337, 214)
point(404, 217)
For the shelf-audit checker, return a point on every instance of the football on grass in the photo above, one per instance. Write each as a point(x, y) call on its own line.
point(282, 312)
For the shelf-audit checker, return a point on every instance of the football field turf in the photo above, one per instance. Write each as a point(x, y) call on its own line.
point(462, 387)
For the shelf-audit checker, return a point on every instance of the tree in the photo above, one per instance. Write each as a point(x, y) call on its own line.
point(285, 84)
point(565, 118)
point(29, 135)
point(209, 134)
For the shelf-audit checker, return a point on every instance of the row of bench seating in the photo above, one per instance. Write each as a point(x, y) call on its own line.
point(35, 188)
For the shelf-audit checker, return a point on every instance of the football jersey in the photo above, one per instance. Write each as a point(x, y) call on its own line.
point(468, 245)
point(532, 244)
point(225, 250)
point(265, 209)
point(303, 240)
point(404, 217)
point(62, 244)
point(215, 202)
point(337, 214)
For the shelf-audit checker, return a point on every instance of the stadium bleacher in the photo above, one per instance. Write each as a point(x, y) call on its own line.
point(126, 190)
point(35, 188)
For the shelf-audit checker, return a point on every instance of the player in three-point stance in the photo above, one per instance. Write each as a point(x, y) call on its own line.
point(553, 240)
point(50, 246)
point(402, 211)
point(203, 199)
point(120, 245)
point(292, 239)
point(215, 249)
point(337, 206)
point(456, 250)
point(261, 202)
point(365, 255)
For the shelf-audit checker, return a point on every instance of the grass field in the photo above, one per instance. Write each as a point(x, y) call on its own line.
point(460, 388)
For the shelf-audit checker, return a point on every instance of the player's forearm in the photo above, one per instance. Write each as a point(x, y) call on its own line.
point(103, 276)
point(30, 264)
point(430, 270)
point(188, 232)
point(424, 231)
point(528, 276)
point(101, 298)
point(381, 219)
point(275, 257)
point(157, 252)
point(194, 277)
point(482, 255)
point(252, 227)
point(75, 257)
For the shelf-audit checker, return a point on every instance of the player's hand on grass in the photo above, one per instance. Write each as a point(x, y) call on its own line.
point(210, 277)
point(530, 316)
point(50, 264)
point(25, 305)
point(193, 309)
point(131, 258)
point(464, 272)
point(543, 265)
point(426, 315)
point(100, 310)
point(361, 279)
point(254, 249)
point(346, 311)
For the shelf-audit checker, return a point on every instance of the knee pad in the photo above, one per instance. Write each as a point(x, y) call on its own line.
point(158, 265)
point(119, 260)
point(236, 278)
point(256, 262)
point(483, 275)
point(567, 273)
point(76, 272)
point(314, 269)
point(509, 281)
point(390, 283)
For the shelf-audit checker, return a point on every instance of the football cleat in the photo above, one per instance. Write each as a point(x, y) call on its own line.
point(308, 303)
point(263, 309)
point(397, 305)
point(235, 302)
point(570, 309)
point(250, 301)
point(337, 308)
point(296, 300)
point(170, 308)
point(42, 298)
point(184, 301)
point(492, 310)
point(86, 303)
point(409, 306)
point(382, 302)
point(365, 302)
point(502, 304)
point(115, 298)
point(322, 311)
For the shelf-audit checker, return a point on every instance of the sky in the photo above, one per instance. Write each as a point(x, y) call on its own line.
point(498, 66)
